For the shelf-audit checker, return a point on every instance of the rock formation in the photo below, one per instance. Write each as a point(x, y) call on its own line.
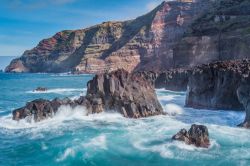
point(222, 33)
point(197, 135)
point(131, 95)
point(145, 43)
point(213, 86)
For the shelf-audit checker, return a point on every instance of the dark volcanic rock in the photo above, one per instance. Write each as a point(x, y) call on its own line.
point(41, 89)
point(197, 135)
point(174, 79)
point(130, 94)
point(41, 109)
point(214, 86)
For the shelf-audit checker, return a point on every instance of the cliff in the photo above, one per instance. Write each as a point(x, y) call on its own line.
point(222, 33)
point(145, 43)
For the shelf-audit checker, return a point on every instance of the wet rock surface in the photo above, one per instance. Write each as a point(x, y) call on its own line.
point(131, 95)
point(197, 135)
point(41, 109)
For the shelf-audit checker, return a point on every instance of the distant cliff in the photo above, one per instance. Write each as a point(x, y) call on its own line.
point(175, 34)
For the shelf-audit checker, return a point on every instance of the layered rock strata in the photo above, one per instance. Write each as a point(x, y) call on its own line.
point(145, 43)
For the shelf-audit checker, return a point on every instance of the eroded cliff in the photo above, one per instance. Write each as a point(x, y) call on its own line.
point(145, 43)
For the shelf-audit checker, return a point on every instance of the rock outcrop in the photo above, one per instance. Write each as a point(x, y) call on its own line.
point(131, 95)
point(145, 43)
point(197, 135)
point(213, 86)
point(40, 109)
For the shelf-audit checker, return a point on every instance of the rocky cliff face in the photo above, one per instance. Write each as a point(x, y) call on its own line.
point(145, 43)
point(222, 33)
point(214, 86)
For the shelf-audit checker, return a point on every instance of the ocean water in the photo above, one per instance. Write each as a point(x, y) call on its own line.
point(108, 139)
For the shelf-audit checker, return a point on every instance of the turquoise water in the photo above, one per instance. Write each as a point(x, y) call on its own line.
point(108, 139)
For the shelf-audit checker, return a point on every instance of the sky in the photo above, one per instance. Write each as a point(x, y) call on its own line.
point(23, 23)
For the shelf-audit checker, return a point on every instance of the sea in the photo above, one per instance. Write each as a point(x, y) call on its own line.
point(108, 139)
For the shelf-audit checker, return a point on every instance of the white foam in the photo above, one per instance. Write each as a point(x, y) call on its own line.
point(64, 113)
point(97, 143)
point(69, 152)
point(58, 91)
point(43, 146)
point(173, 109)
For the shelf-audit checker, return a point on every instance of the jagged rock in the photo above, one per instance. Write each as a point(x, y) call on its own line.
point(214, 86)
point(131, 95)
point(41, 89)
point(197, 135)
point(41, 109)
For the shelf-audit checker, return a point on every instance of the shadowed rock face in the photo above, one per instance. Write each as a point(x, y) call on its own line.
point(197, 135)
point(131, 95)
point(145, 43)
point(174, 79)
point(214, 86)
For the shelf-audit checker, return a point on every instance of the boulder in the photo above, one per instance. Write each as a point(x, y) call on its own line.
point(197, 135)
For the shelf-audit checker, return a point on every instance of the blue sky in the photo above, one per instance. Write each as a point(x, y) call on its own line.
point(23, 23)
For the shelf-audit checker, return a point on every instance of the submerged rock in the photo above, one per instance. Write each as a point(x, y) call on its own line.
point(40, 89)
point(129, 94)
point(197, 135)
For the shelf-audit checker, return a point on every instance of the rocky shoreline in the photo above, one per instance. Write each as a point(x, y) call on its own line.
point(131, 95)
